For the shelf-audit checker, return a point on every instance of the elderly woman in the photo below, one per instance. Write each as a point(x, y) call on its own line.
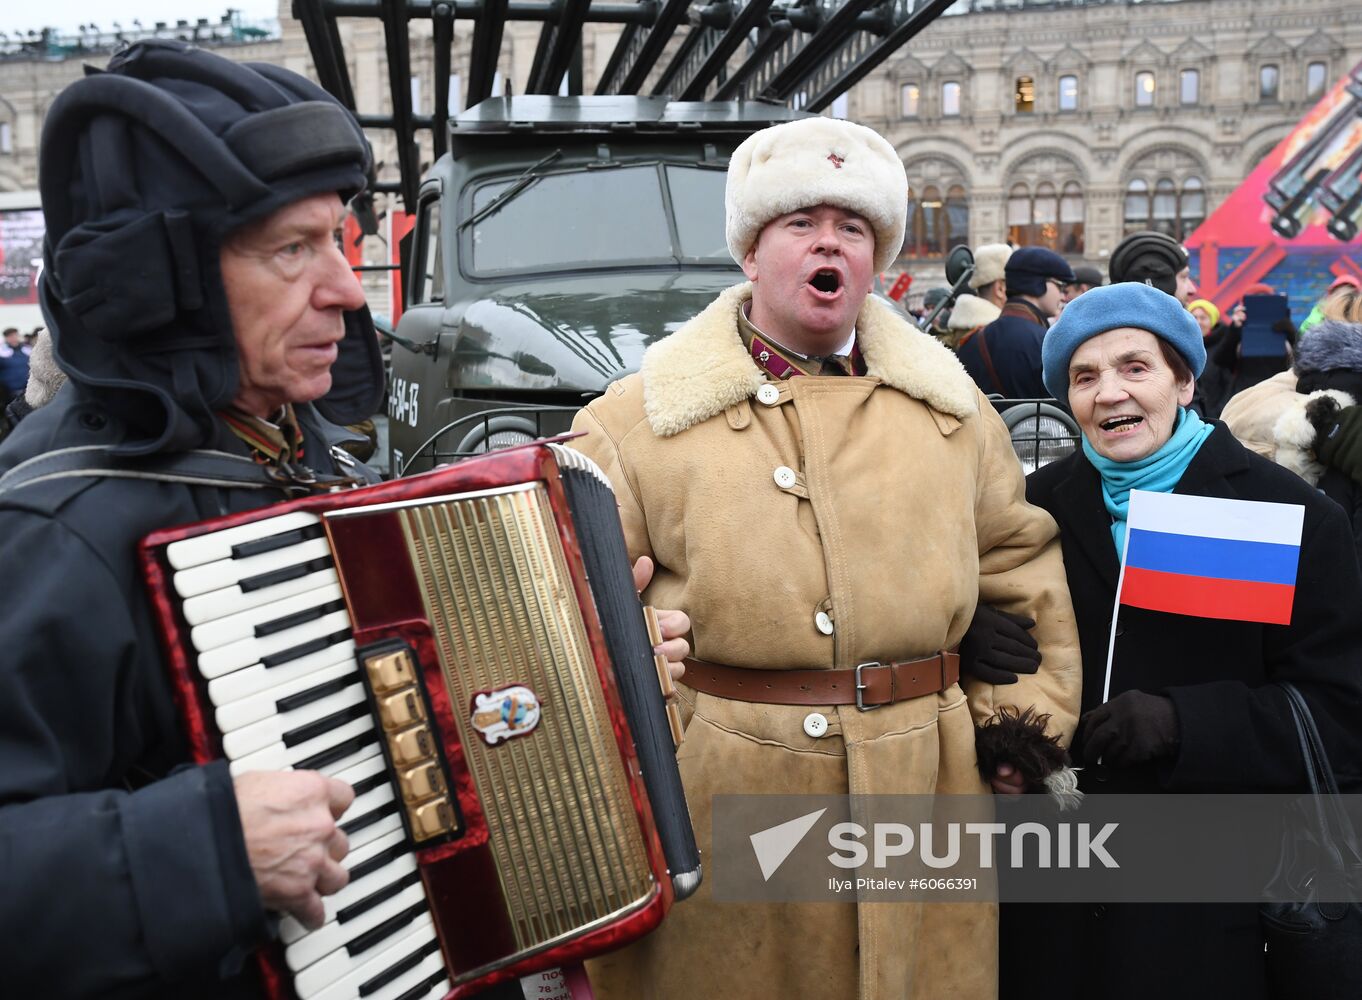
point(1192, 706)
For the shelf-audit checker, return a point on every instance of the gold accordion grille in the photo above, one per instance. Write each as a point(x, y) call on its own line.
point(561, 820)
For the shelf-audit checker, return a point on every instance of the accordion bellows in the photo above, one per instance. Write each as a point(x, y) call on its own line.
point(466, 648)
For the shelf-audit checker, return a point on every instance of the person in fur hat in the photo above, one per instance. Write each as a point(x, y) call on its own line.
point(820, 485)
point(989, 278)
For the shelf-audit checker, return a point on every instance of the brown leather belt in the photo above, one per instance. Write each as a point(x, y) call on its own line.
point(870, 685)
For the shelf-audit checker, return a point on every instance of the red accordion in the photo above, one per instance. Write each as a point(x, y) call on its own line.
point(465, 648)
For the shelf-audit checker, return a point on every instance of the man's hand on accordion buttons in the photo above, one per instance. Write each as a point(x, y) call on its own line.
point(674, 624)
point(292, 840)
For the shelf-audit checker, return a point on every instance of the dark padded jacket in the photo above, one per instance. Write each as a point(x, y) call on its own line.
point(124, 869)
point(1013, 344)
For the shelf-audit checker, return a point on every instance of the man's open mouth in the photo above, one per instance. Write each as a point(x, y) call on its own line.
point(826, 280)
point(1119, 425)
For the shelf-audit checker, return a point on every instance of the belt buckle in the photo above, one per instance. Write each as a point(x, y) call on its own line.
point(861, 706)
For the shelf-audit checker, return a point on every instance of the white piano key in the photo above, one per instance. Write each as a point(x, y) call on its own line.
point(218, 545)
point(347, 987)
point(257, 679)
point(258, 735)
point(246, 652)
point(243, 624)
point(290, 930)
point(225, 572)
point(317, 956)
point(232, 599)
point(278, 757)
point(245, 711)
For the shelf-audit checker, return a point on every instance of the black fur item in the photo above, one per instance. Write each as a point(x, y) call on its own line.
point(1017, 737)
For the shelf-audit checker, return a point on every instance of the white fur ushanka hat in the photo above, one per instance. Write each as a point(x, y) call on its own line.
point(989, 262)
point(816, 161)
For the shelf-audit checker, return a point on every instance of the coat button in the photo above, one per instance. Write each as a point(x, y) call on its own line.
point(785, 477)
point(823, 622)
point(768, 394)
point(815, 724)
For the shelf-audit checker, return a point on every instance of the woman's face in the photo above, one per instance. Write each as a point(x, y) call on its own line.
point(1203, 320)
point(1123, 394)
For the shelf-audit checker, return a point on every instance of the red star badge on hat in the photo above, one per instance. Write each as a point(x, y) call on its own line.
point(836, 160)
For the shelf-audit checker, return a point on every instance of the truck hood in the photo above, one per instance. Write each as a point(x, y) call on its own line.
point(574, 333)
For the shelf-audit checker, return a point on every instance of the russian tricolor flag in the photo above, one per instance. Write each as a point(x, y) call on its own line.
point(1211, 558)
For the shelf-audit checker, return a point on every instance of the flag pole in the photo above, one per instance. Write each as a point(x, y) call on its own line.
point(1116, 605)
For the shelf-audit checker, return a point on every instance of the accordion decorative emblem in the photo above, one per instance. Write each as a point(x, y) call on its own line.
point(467, 650)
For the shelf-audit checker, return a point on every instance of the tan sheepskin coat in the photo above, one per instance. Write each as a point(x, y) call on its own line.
point(907, 507)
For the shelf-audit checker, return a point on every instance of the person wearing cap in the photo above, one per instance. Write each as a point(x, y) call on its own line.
point(1004, 357)
point(988, 281)
point(1192, 704)
point(1153, 259)
point(820, 485)
point(1085, 277)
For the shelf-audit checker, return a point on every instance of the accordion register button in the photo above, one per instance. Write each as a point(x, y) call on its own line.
point(410, 746)
point(422, 782)
point(431, 819)
point(390, 671)
point(401, 709)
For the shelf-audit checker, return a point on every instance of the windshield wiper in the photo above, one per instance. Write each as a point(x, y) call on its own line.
point(518, 185)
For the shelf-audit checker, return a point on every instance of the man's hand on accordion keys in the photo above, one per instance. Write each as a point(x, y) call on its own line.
point(674, 624)
point(292, 840)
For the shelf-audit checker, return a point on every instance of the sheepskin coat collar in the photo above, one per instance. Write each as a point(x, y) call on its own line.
point(702, 368)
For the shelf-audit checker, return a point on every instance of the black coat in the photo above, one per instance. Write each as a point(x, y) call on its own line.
point(1013, 342)
point(124, 872)
point(1236, 729)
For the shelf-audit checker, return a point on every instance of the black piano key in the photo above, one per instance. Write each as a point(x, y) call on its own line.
point(374, 898)
point(371, 865)
point(298, 618)
point(369, 818)
point(325, 724)
point(400, 969)
point(340, 751)
point(386, 929)
point(370, 783)
point(304, 648)
point(422, 988)
point(289, 702)
point(280, 541)
point(262, 580)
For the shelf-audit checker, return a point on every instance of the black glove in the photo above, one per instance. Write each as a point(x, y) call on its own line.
point(1132, 728)
point(997, 647)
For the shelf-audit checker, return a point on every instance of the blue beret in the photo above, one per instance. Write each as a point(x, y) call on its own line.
point(1101, 309)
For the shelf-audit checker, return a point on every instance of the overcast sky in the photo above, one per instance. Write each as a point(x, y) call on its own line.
point(67, 15)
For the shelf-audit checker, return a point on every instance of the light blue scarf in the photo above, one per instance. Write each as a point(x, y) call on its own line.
point(1158, 472)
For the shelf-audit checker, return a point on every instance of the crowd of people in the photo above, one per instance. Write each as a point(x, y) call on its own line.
point(823, 493)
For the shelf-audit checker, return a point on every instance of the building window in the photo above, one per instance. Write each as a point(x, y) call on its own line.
point(1137, 206)
point(1189, 84)
point(1068, 93)
point(950, 99)
point(935, 224)
point(1269, 82)
point(1191, 206)
point(1316, 79)
point(1165, 209)
point(1045, 217)
point(1144, 89)
point(1024, 96)
point(1071, 219)
point(909, 97)
point(6, 138)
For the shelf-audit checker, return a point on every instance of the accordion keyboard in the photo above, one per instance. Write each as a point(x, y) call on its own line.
point(272, 638)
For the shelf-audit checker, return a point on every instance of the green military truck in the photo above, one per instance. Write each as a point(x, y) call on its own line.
point(555, 240)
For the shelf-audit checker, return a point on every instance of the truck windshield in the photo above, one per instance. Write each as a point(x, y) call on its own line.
point(594, 218)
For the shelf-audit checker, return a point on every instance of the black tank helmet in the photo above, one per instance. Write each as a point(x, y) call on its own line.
point(145, 168)
point(1149, 258)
